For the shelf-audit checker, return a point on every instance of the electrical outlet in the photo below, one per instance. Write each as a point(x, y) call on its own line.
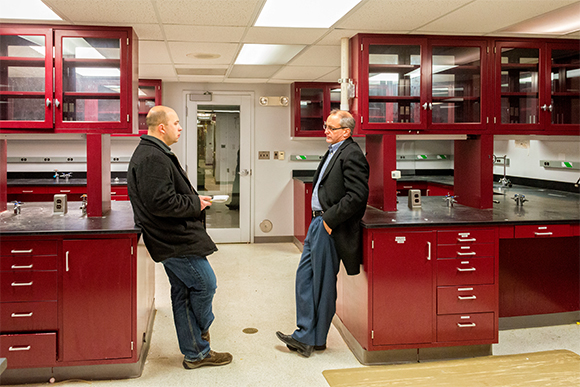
point(280, 155)
point(275, 155)
point(263, 155)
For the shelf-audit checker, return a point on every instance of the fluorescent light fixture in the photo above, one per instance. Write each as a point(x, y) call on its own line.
point(561, 21)
point(27, 10)
point(267, 54)
point(303, 13)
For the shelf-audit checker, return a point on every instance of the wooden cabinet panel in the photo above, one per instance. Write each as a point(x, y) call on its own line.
point(467, 251)
point(28, 286)
point(29, 350)
point(543, 231)
point(311, 104)
point(466, 299)
point(28, 316)
point(22, 248)
point(461, 327)
point(402, 293)
point(468, 236)
point(96, 299)
point(465, 272)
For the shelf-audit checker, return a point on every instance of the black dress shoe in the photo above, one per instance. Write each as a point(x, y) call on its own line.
point(316, 347)
point(303, 349)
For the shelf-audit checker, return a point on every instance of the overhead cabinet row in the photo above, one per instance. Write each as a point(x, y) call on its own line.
point(68, 79)
point(466, 84)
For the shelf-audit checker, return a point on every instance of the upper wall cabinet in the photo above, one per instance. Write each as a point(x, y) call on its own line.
point(68, 79)
point(418, 83)
point(311, 104)
point(149, 96)
point(468, 85)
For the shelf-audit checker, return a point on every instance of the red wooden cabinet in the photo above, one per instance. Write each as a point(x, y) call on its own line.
point(149, 96)
point(94, 87)
point(302, 209)
point(97, 284)
point(311, 105)
point(402, 290)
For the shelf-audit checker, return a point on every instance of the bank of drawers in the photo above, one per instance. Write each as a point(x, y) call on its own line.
point(28, 297)
point(466, 288)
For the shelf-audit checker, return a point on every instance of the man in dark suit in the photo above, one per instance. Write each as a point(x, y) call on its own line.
point(339, 201)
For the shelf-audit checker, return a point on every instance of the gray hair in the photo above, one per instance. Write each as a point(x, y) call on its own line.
point(346, 119)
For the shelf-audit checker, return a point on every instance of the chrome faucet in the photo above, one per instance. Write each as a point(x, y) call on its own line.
point(520, 199)
point(17, 209)
point(56, 175)
point(66, 176)
point(84, 204)
point(450, 199)
point(504, 180)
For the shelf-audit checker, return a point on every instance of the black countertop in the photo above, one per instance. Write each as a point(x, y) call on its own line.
point(62, 182)
point(37, 218)
point(445, 180)
point(543, 207)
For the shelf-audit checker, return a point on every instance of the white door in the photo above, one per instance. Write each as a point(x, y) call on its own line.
point(218, 148)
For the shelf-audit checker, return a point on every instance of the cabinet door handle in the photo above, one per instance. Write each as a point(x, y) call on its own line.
point(12, 349)
point(470, 253)
point(466, 240)
point(466, 269)
point(66, 261)
point(64, 190)
point(21, 267)
point(27, 191)
point(428, 251)
point(22, 314)
point(470, 325)
point(21, 251)
point(22, 283)
point(56, 102)
point(473, 297)
point(542, 233)
point(48, 102)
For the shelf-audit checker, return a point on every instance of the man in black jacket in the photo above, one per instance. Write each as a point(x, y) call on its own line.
point(171, 216)
point(339, 200)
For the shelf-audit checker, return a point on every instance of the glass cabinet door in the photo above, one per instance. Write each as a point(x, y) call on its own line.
point(565, 86)
point(456, 84)
point(311, 109)
point(394, 84)
point(25, 78)
point(91, 86)
point(519, 84)
point(149, 96)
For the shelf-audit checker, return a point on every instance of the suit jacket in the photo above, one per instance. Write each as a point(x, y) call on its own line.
point(343, 194)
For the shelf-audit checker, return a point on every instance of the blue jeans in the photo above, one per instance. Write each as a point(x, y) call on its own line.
point(193, 285)
point(316, 285)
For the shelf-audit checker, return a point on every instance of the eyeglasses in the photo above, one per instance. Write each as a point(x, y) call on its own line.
point(331, 128)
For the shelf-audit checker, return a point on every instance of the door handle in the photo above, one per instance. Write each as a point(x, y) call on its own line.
point(428, 251)
point(244, 172)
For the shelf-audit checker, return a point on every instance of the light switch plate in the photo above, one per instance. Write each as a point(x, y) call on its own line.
point(396, 174)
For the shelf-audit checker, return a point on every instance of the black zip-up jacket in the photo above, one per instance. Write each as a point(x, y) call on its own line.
point(165, 205)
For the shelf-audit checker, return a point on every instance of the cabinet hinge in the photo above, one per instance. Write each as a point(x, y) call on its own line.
point(372, 335)
point(494, 120)
point(128, 118)
point(131, 345)
point(488, 120)
point(361, 47)
point(127, 41)
point(131, 250)
point(487, 49)
point(373, 244)
point(361, 119)
point(495, 50)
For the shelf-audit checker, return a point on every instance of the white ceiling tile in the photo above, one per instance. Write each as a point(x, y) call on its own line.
point(335, 36)
point(207, 12)
point(201, 78)
point(153, 52)
point(332, 76)
point(246, 80)
point(249, 71)
point(156, 71)
point(189, 33)
point(148, 31)
point(486, 16)
point(270, 35)
point(398, 15)
point(179, 51)
point(112, 11)
point(302, 72)
point(318, 56)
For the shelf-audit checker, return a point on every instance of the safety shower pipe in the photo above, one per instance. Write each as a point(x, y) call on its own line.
point(344, 62)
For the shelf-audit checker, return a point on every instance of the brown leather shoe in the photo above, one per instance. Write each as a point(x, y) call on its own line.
point(212, 359)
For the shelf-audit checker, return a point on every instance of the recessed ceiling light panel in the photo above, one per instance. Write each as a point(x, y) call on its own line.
point(26, 10)
point(267, 54)
point(303, 13)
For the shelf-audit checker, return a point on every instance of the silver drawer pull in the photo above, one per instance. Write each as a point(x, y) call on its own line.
point(467, 269)
point(12, 349)
point(21, 251)
point(466, 240)
point(27, 191)
point(64, 190)
point(22, 283)
point(470, 253)
point(22, 314)
point(21, 267)
point(467, 297)
point(470, 325)
point(542, 233)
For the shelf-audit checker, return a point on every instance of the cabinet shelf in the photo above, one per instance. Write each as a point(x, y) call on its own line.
point(81, 95)
point(520, 66)
point(7, 61)
point(21, 94)
point(394, 98)
point(517, 94)
point(74, 62)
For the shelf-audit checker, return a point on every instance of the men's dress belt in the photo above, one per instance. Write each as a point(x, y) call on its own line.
point(317, 213)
